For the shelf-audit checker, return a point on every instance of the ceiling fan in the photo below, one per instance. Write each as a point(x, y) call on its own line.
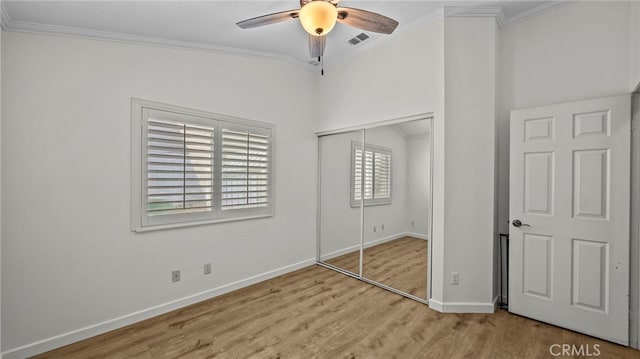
point(318, 18)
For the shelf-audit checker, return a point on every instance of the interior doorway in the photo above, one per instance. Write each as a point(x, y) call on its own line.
point(570, 215)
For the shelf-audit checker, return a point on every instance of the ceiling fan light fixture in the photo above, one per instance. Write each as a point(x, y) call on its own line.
point(318, 17)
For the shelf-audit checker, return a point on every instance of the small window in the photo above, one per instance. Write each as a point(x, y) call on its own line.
point(193, 167)
point(376, 177)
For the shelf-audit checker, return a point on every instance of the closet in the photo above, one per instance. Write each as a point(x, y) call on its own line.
point(374, 204)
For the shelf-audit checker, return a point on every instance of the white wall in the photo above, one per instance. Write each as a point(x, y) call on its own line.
point(577, 51)
point(69, 259)
point(395, 79)
point(469, 140)
point(418, 182)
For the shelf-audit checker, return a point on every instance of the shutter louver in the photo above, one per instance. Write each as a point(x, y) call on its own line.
point(179, 168)
point(245, 169)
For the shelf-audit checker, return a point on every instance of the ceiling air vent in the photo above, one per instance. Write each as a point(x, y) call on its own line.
point(358, 38)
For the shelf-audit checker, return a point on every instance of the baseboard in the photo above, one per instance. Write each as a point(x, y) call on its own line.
point(112, 324)
point(339, 252)
point(462, 307)
point(375, 242)
point(436, 305)
point(416, 235)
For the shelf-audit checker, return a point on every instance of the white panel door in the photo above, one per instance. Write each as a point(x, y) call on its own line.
point(569, 212)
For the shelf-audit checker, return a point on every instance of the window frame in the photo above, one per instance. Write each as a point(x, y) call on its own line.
point(357, 145)
point(140, 221)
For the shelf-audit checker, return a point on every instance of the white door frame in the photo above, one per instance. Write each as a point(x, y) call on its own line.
point(634, 270)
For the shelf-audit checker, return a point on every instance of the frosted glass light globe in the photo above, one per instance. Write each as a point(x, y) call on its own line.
point(318, 17)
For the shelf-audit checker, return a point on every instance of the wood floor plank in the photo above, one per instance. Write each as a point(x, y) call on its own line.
point(318, 313)
point(400, 264)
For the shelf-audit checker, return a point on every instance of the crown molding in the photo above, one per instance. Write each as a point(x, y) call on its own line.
point(538, 10)
point(499, 14)
point(8, 24)
point(467, 11)
point(5, 18)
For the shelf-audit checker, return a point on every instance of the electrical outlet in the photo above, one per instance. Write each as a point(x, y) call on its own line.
point(175, 276)
point(382, 227)
point(375, 229)
point(455, 278)
point(207, 269)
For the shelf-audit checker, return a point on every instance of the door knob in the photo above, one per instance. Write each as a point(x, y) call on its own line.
point(518, 223)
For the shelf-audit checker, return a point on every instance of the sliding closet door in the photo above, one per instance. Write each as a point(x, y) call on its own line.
point(340, 223)
point(396, 203)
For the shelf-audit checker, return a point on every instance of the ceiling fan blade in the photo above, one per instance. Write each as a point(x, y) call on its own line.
point(366, 20)
point(316, 45)
point(268, 19)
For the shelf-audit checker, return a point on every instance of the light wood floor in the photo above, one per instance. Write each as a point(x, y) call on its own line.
point(319, 313)
point(401, 264)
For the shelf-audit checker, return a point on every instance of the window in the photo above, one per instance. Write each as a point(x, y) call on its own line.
point(192, 167)
point(377, 174)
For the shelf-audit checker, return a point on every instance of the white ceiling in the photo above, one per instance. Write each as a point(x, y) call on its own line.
point(211, 24)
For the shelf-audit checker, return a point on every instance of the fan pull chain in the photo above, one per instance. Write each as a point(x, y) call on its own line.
point(321, 60)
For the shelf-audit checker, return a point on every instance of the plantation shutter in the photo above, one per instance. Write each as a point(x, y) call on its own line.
point(180, 160)
point(245, 168)
point(377, 174)
point(196, 167)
